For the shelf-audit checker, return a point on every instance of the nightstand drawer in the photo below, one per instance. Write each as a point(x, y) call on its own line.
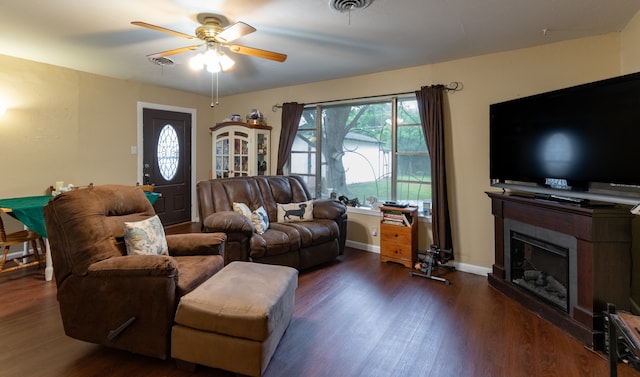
point(396, 250)
point(395, 233)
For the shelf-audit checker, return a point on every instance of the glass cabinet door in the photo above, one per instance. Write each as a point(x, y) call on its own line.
point(221, 156)
point(241, 154)
point(262, 153)
point(240, 150)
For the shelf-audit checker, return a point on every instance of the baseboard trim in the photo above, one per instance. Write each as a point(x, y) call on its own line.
point(464, 267)
point(363, 246)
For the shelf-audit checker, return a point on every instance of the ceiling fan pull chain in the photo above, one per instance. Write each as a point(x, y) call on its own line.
point(217, 102)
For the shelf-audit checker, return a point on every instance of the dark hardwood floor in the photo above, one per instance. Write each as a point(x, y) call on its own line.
point(354, 317)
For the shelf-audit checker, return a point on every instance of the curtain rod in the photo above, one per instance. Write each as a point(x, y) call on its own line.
point(454, 86)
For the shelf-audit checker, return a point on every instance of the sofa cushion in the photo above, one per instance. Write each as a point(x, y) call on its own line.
point(295, 211)
point(277, 240)
point(145, 237)
point(314, 232)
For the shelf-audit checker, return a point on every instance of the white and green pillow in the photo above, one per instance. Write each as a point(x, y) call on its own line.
point(145, 237)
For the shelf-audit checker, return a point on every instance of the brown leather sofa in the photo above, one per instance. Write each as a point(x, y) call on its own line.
point(111, 298)
point(299, 245)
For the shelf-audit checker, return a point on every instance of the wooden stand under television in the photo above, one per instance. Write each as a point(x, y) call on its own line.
point(399, 242)
point(603, 259)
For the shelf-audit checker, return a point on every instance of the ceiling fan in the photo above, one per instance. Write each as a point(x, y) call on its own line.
point(215, 35)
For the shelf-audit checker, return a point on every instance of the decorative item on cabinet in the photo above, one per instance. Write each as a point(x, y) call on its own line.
point(255, 117)
point(249, 152)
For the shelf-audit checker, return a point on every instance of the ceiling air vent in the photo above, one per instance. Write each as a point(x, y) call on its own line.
point(349, 5)
point(161, 61)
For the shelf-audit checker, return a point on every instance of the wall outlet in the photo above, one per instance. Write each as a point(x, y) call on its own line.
point(374, 232)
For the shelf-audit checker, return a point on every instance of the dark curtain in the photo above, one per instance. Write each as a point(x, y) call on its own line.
point(291, 113)
point(430, 106)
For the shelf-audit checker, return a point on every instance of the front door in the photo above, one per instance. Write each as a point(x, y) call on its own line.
point(167, 162)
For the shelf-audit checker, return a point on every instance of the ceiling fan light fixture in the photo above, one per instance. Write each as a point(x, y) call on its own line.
point(225, 61)
point(212, 59)
point(213, 68)
point(197, 62)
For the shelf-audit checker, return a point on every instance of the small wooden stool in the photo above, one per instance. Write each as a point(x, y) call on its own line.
point(235, 320)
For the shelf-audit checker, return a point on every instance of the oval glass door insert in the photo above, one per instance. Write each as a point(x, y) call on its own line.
point(168, 152)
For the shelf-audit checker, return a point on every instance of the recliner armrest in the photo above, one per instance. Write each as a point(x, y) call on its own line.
point(196, 244)
point(134, 265)
point(328, 209)
point(228, 222)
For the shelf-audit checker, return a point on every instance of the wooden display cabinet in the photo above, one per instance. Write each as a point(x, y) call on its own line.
point(399, 235)
point(240, 149)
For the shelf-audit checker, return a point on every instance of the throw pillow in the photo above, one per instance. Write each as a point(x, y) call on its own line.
point(145, 237)
point(291, 212)
point(260, 220)
point(242, 209)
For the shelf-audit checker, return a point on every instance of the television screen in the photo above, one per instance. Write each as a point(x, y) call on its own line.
point(582, 135)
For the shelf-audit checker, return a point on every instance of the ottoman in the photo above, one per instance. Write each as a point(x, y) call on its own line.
point(235, 320)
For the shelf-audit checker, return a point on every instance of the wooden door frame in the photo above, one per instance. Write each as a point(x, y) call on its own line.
point(140, 148)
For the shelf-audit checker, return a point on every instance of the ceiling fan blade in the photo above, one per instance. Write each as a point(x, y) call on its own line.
point(164, 30)
point(235, 31)
point(174, 51)
point(264, 54)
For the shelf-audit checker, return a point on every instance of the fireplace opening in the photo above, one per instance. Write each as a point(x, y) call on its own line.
point(541, 268)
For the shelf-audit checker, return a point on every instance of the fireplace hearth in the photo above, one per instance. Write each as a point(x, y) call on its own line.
point(563, 261)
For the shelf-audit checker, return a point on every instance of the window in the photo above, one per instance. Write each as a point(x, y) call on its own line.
point(364, 149)
point(168, 152)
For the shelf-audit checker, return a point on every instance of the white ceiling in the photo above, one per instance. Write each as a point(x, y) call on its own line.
point(321, 43)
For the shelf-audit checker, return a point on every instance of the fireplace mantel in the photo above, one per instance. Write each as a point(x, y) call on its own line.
point(603, 235)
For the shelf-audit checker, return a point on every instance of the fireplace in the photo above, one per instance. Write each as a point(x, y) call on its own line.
point(542, 263)
point(563, 261)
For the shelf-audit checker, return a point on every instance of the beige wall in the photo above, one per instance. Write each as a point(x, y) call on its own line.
point(71, 126)
point(77, 127)
point(629, 42)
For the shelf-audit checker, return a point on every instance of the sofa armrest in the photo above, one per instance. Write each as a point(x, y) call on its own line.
point(228, 222)
point(328, 209)
point(134, 265)
point(196, 244)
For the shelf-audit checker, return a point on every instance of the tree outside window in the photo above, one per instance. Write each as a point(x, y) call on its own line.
point(365, 149)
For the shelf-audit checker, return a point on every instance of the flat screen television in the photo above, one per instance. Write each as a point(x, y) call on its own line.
point(573, 139)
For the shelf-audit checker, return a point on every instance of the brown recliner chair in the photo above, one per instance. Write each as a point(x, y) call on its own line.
point(111, 298)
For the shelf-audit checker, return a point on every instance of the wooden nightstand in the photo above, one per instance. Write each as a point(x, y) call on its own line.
point(399, 235)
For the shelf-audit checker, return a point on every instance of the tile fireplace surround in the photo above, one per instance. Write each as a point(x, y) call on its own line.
point(600, 262)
